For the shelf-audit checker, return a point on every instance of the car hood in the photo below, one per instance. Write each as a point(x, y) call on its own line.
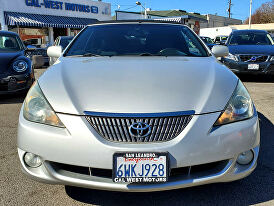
point(138, 84)
point(251, 49)
point(7, 58)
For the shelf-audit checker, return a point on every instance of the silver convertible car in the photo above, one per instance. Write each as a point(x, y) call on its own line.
point(138, 106)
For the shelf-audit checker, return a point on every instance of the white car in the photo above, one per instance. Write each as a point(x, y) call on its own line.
point(138, 106)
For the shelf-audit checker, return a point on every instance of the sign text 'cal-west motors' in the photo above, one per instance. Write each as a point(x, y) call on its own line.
point(49, 4)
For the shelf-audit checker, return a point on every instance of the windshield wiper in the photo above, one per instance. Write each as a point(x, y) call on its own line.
point(85, 55)
point(91, 55)
point(149, 54)
point(146, 54)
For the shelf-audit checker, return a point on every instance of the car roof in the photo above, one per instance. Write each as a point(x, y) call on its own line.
point(147, 21)
point(249, 31)
point(8, 33)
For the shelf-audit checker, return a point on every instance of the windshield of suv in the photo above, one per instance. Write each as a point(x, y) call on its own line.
point(250, 39)
point(137, 39)
point(9, 43)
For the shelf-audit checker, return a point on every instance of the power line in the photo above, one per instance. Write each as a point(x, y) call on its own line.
point(130, 7)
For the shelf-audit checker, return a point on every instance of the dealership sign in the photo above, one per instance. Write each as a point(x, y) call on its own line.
point(59, 5)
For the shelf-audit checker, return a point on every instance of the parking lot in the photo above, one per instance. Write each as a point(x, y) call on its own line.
point(258, 188)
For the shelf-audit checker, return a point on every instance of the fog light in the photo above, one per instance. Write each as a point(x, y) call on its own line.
point(245, 157)
point(32, 160)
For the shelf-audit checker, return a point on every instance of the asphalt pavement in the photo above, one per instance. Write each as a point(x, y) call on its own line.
point(256, 189)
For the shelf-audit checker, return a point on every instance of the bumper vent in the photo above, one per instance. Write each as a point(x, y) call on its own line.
point(194, 171)
point(117, 129)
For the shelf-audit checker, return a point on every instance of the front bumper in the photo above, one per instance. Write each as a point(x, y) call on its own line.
point(15, 83)
point(80, 145)
point(242, 67)
point(48, 174)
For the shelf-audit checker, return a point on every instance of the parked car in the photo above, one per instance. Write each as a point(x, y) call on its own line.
point(250, 51)
point(37, 42)
point(62, 41)
point(221, 39)
point(40, 52)
point(208, 41)
point(40, 49)
point(133, 102)
point(16, 73)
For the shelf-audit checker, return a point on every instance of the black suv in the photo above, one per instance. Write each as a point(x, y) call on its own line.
point(250, 51)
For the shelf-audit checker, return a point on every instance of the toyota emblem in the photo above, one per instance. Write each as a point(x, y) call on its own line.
point(139, 130)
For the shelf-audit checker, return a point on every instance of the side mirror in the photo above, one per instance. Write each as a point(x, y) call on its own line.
point(220, 51)
point(54, 51)
point(31, 47)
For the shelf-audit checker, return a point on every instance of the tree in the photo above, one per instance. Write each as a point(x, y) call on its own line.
point(264, 14)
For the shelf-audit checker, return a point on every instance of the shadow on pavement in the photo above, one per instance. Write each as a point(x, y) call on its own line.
point(256, 78)
point(12, 98)
point(256, 188)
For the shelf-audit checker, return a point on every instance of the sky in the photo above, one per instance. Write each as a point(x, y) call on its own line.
point(240, 8)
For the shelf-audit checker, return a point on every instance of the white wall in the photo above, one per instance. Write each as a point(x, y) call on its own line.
point(213, 32)
point(104, 9)
point(268, 27)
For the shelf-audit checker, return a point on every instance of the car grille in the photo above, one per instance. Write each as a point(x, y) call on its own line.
point(248, 58)
point(117, 129)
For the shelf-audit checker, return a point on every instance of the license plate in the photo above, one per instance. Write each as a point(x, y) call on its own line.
point(140, 167)
point(253, 66)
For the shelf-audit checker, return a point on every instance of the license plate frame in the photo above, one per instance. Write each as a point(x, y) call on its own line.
point(253, 67)
point(131, 156)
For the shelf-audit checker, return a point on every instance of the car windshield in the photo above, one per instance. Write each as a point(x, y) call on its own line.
point(207, 40)
point(250, 39)
point(9, 43)
point(137, 39)
point(224, 38)
point(221, 38)
point(64, 42)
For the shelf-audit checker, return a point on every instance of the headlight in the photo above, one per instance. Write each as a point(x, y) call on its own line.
point(231, 57)
point(37, 109)
point(20, 66)
point(239, 107)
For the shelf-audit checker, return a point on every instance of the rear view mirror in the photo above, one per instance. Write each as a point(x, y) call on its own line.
point(220, 51)
point(54, 51)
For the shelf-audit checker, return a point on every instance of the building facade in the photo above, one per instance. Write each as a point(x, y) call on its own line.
point(193, 20)
point(196, 21)
point(269, 27)
point(219, 21)
point(44, 20)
